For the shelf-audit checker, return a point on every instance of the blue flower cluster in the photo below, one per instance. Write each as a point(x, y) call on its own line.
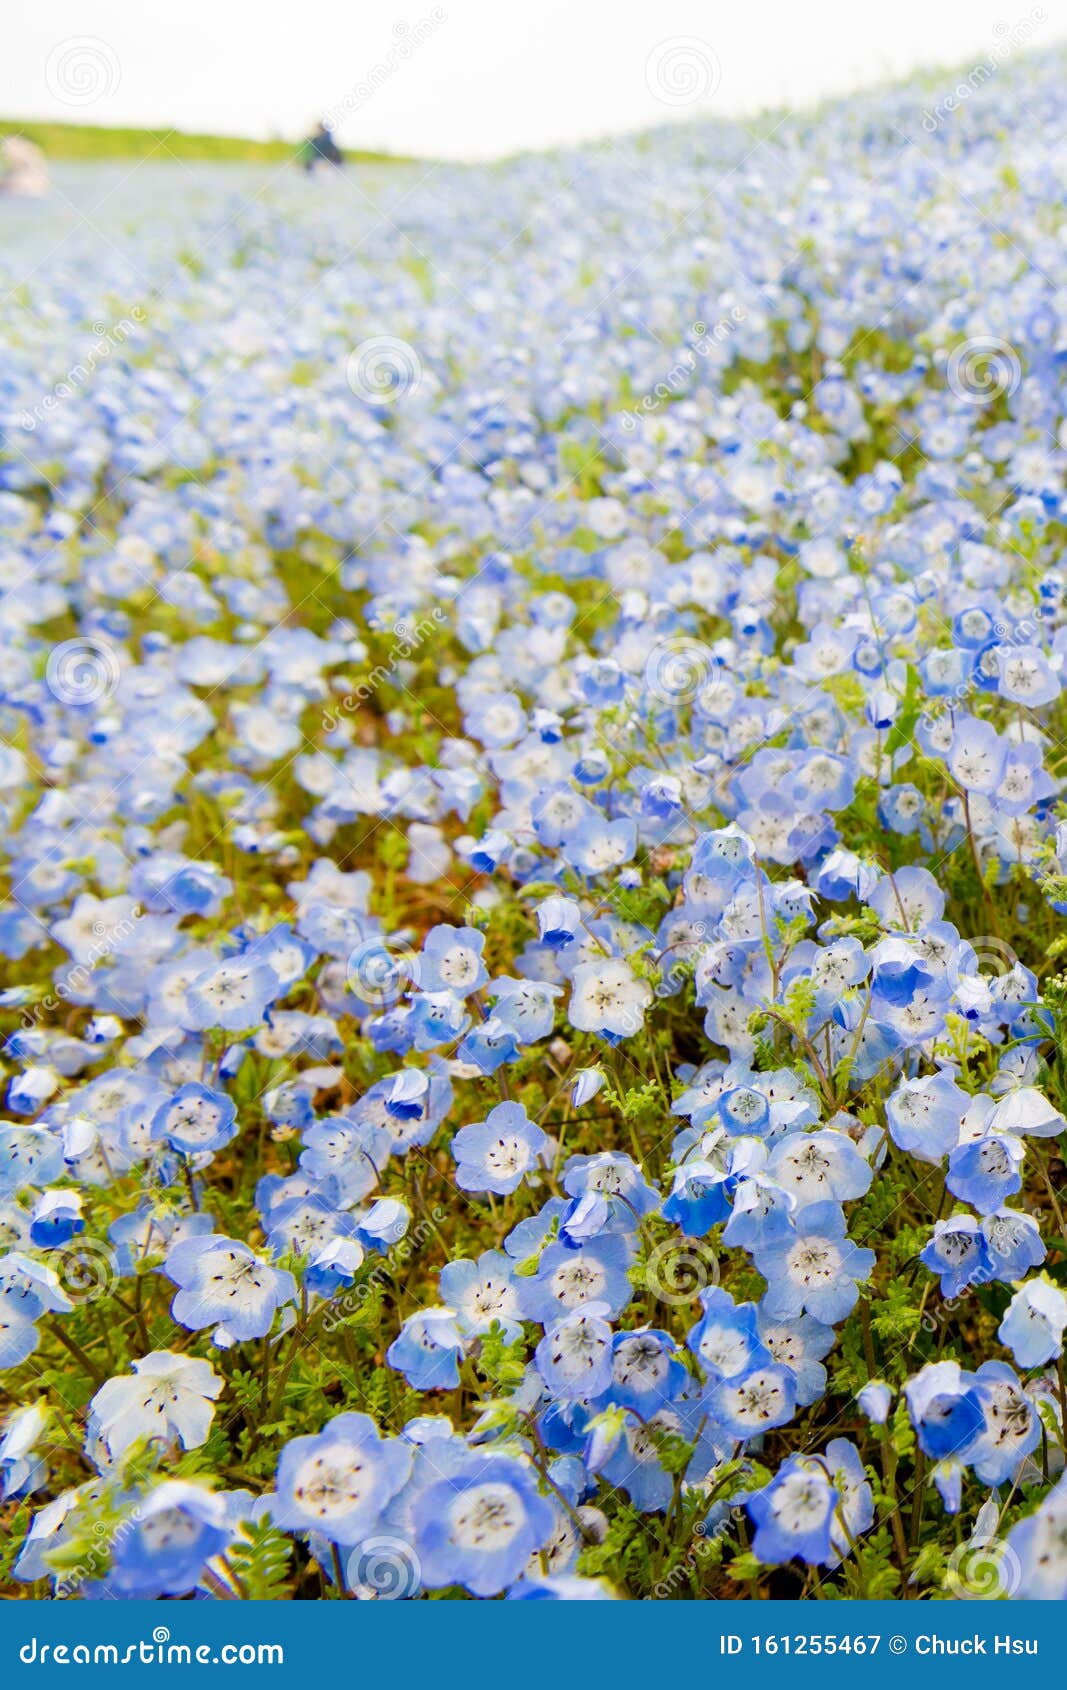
point(534, 851)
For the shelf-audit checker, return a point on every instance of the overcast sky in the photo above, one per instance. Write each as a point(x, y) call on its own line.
point(478, 78)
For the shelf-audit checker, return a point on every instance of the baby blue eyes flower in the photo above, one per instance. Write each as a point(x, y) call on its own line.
point(21, 1471)
point(815, 1268)
point(28, 1290)
point(570, 1274)
point(875, 1400)
point(945, 1409)
point(339, 1481)
point(1012, 1426)
point(608, 999)
point(196, 1119)
point(222, 1283)
point(497, 1154)
point(483, 1292)
point(794, 1515)
point(1037, 1544)
point(587, 1082)
point(559, 922)
point(924, 1116)
point(574, 1357)
point(233, 995)
point(479, 1526)
point(429, 1349)
point(451, 960)
point(162, 1548)
point(815, 1167)
point(56, 1218)
point(958, 1252)
point(726, 1339)
point(1026, 1110)
point(1014, 1243)
point(986, 1171)
point(170, 1397)
point(754, 1402)
point(1033, 1326)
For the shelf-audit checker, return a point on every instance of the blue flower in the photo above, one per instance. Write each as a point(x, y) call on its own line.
point(986, 1170)
point(816, 1268)
point(958, 1251)
point(568, 1275)
point(479, 1526)
point(497, 1154)
point(575, 1358)
point(222, 1283)
point(794, 1514)
point(196, 1119)
point(428, 1350)
point(339, 1481)
point(170, 1397)
point(451, 961)
point(945, 1409)
point(161, 1549)
point(1032, 1328)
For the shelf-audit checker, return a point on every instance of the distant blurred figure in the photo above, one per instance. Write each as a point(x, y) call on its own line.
point(23, 171)
point(320, 148)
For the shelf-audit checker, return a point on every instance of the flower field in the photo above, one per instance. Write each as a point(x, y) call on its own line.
point(532, 754)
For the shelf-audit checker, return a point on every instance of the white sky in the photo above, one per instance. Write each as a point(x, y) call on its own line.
point(488, 77)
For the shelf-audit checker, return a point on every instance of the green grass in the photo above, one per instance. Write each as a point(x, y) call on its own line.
point(83, 141)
